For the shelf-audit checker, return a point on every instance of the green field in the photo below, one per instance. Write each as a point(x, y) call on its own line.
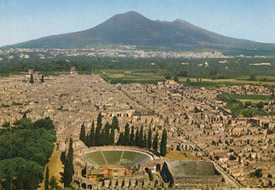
point(205, 82)
point(141, 76)
point(127, 76)
point(128, 158)
point(246, 105)
point(248, 97)
point(258, 78)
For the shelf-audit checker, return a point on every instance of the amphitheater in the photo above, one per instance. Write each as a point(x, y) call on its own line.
point(122, 167)
point(116, 157)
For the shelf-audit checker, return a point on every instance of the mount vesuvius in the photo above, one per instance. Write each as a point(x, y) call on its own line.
point(132, 28)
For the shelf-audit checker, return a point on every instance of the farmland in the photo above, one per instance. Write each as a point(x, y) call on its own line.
point(246, 105)
point(141, 76)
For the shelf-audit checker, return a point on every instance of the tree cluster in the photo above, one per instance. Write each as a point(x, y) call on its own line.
point(99, 135)
point(25, 149)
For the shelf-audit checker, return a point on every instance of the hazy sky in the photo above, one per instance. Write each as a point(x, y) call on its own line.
point(22, 20)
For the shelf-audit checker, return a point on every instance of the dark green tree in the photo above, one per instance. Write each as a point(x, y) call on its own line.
point(99, 120)
point(132, 136)
point(83, 134)
point(42, 79)
point(126, 138)
point(92, 134)
point(98, 140)
point(88, 140)
point(120, 139)
point(163, 144)
point(46, 185)
point(137, 138)
point(46, 123)
point(155, 142)
point(149, 143)
point(112, 136)
point(145, 141)
point(140, 144)
point(115, 123)
point(260, 105)
point(107, 134)
point(31, 79)
point(68, 168)
point(63, 158)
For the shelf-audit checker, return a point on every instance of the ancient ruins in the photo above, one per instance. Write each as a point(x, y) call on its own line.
point(231, 151)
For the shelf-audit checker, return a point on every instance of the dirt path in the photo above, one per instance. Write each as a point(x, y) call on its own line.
point(55, 167)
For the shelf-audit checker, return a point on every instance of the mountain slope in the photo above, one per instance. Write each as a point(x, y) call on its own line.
point(131, 28)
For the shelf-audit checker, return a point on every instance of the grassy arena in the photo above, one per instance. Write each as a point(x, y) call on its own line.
point(125, 158)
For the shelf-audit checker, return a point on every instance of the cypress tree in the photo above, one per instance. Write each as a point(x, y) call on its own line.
point(145, 141)
point(66, 174)
point(132, 136)
point(137, 138)
point(163, 149)
point(99, 120)
point(88, 140)
point(149, 143)
point(42, 79)
point(46, 185)
point(120, 139)
point(140, 144)
point(155, 142)
point(107, 134)
point(115, 124)
point(98, 130)
point(63, 158)
point(126, 139)
point(112, 136)
point(68, 168)
point(70, 155)
point(31, 79)
point(83, 133)
point(92, 134)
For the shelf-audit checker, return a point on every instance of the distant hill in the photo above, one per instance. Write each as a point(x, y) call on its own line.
point(132, 28)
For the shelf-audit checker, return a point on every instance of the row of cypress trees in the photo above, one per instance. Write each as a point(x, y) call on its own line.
point(32, 80)
point(100, 136)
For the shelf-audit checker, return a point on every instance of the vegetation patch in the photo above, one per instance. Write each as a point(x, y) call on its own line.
point(25, 150)
point(248, 108)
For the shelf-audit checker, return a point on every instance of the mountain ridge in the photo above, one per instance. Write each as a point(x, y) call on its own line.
point(132, 28)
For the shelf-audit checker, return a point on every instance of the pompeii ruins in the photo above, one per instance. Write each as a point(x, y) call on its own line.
point(197, 124)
